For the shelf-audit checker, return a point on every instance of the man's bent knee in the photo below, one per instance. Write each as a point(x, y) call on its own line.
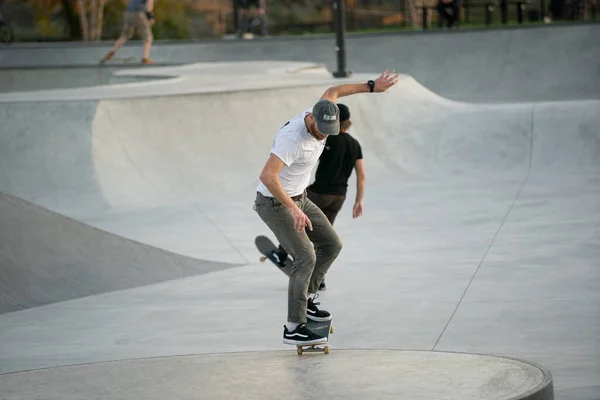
point(337, 247)
point(304, 261)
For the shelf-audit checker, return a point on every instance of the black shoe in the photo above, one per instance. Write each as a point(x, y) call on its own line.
point(279, 259)
point(313, 312)
point(301, 335)
point(322, 285)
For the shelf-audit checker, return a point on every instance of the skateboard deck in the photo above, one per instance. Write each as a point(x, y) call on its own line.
point(266, 247)
point(123, 60)
point(321, 328)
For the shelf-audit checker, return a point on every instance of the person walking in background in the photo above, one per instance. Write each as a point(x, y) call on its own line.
point(342, 155)
point(138, 16)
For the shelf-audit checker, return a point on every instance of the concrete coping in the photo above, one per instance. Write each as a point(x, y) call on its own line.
point(342, 374)
point(197, 78)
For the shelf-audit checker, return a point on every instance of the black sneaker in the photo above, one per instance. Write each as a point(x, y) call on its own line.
point(313, 312)
point(301, 335)
point(279, 259)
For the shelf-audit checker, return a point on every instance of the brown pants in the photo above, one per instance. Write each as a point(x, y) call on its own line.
point(330, 204)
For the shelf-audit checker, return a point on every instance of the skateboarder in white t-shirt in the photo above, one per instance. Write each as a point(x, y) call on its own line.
point(281, 202)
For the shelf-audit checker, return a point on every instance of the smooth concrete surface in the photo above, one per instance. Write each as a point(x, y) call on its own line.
point(488, 65)
point(480, 232)
point(343, 374)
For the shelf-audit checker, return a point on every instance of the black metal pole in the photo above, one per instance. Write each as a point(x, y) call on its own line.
point(235, 17)
point(488, 13)
point(340, 32)
point(504, 10)
point(542, 9)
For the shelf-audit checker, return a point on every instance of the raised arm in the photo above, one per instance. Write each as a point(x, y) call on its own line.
point(385, 81)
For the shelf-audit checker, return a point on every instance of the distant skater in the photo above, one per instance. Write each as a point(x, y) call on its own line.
point(138, 16)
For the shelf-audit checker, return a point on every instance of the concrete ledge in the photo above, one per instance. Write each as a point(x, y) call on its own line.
point(198, 78)
point(342, 374)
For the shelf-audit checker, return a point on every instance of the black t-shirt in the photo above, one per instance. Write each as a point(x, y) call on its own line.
point(336, 164)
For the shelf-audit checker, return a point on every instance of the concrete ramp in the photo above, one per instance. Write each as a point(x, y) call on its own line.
point(479, 235)
point(166, 170)
point(429, 136)
point(47, 258)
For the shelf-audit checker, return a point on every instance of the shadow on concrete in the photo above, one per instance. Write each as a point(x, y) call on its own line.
point(47, 258)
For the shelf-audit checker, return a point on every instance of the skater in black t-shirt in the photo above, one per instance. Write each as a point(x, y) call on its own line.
point(341, 155)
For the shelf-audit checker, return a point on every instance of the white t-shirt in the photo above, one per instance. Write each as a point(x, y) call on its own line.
point(299, 151)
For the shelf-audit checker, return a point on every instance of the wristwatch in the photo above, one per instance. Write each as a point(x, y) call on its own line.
point(371, 84)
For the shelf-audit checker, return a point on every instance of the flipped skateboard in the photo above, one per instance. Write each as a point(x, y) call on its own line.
point(267, 248)
point(321, 328)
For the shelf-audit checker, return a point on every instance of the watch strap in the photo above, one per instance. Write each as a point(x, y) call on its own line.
point(371, 84)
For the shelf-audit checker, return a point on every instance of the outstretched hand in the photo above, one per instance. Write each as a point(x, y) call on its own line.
point(385, 81)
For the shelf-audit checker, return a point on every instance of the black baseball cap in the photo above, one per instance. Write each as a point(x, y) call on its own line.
point(344, 112)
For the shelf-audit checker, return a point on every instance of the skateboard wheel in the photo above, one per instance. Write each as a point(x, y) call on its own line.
point(299, 351)
point(262, 259)
point(326, 349)
point(331, 329)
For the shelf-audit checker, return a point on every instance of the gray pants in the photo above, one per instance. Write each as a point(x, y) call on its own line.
point(312, 251)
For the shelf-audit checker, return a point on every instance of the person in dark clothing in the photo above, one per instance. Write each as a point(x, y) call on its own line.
point(261, 10)
point(341, 156)
point(449, 11)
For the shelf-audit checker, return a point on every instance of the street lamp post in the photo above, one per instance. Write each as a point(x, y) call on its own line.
point(340, 31)
point(236, 17)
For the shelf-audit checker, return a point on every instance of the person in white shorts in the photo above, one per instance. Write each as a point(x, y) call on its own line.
point(138, 16)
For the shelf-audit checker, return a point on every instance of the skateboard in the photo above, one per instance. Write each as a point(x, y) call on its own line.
point(266, 247)
point(323, 328)
point(124, 60)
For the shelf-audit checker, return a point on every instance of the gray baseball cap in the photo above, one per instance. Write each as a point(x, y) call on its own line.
point(327, 115)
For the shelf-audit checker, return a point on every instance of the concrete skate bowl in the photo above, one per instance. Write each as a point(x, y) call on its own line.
point(166, 171)
point(445, 176)
point(135, 166)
